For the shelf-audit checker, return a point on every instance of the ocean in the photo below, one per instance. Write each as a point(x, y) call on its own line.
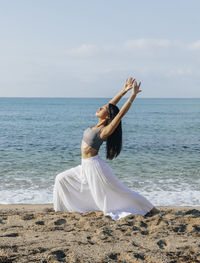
point(41, 137)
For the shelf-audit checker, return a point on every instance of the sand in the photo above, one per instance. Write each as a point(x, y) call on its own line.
point(35, 233)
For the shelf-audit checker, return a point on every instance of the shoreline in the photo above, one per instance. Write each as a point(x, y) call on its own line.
point(36, 233)
point(38, 207)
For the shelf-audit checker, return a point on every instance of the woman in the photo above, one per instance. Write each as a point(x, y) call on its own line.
point(92, 186)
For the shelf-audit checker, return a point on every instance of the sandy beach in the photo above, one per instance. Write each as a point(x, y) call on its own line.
point(35, 233)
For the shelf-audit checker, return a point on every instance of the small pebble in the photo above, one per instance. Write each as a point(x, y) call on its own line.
point(39, 223)
point(28, 217)
point(139, 256)
point(107, 232)
point(180, 228)
point(135, 228)
point(113, 256)
point(161, 243)
point(60, 222)
point(59, 254)
point(12, 235)
point(134, 244)
point(146, 232)
point(196, 228)
point(143, 224)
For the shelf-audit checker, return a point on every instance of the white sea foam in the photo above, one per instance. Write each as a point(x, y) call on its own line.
point(173, 198)
point(26, 196)
point(188, 197)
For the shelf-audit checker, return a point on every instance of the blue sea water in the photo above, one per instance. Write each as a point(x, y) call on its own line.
point(41, 137)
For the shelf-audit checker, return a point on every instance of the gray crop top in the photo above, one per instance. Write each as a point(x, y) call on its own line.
point(91, 137)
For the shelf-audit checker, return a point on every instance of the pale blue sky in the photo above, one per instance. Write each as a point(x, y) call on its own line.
point(87, 48)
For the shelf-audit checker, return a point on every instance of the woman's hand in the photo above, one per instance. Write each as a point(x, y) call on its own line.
point(136, 88)
point(128, 84)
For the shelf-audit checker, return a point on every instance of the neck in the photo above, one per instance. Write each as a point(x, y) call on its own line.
point(101, 122)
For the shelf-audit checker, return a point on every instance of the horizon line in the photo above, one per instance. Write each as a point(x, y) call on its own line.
point(98, 97)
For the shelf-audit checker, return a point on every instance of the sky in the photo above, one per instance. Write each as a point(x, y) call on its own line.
point(87, 48)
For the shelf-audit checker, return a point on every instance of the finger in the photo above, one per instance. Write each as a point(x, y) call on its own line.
point(130, 80)
point(133, 81)
point(139, 85)
point(126, 83)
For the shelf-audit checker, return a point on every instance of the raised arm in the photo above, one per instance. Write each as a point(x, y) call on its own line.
point(109, 129)
point(127, 87)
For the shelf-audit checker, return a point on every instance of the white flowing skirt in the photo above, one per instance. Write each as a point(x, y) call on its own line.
point(92, 186)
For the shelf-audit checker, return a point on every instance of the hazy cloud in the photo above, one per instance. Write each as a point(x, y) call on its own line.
point(92, 68)
point(146, 55)
point(195, 45)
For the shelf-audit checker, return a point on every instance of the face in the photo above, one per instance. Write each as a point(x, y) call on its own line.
point(102, 112)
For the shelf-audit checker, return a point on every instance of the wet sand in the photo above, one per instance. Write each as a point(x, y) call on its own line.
point(35, 233)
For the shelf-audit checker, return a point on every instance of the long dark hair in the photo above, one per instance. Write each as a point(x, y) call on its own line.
point(114, 141)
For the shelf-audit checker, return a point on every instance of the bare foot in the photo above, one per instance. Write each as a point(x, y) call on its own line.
point(153, 211)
